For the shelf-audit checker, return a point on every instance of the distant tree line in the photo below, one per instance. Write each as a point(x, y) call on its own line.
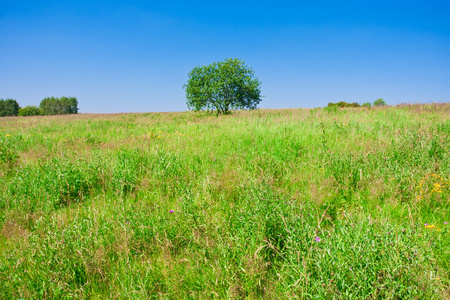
point(59, 106)
point(341, 104)
point(48, 106)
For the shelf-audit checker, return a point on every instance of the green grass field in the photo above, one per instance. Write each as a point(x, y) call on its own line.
point(267, 204)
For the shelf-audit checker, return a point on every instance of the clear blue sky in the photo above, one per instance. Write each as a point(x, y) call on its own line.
point(134, 56)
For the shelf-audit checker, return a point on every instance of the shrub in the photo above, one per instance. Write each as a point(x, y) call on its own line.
point(367, 104)
point(30, 110)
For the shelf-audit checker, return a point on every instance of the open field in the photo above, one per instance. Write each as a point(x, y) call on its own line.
point(275, 204)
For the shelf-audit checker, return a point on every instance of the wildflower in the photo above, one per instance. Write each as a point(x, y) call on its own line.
point(445, 223)
point(317, 239)
point(426, 224)
point(171, 211)
point(7, 135)
point(432, 226)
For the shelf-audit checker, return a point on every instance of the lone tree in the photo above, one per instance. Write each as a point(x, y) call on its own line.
point(223, 86)
point(379, 102)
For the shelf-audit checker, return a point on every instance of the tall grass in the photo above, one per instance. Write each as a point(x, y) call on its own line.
point(286, 204)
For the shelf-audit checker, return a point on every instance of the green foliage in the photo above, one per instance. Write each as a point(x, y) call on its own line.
point(367, 104)
point(342, 104)
point(379, 102)
point(59, 106)
point(30, 110)
point(9, 107)
point(223, 86)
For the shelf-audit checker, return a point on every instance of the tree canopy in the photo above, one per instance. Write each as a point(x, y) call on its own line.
point(223, 86)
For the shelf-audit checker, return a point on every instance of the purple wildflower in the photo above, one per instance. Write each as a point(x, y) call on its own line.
point(426, 224)
point(445, 223)
point(171, 211)
point(317, 239)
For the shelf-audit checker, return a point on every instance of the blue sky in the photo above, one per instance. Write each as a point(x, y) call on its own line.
point(134, 56)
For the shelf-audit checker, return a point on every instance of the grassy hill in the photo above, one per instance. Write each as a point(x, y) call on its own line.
point(278, 204)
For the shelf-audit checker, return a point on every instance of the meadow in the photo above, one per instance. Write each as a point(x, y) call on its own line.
point(323, 203)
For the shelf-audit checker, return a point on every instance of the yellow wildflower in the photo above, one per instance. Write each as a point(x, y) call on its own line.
point(7, 135)
point(432, 227)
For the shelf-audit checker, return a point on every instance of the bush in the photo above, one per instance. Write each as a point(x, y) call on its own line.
point(367, 104)
point(30, 110)
point(8, 107)
point(379, 102)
